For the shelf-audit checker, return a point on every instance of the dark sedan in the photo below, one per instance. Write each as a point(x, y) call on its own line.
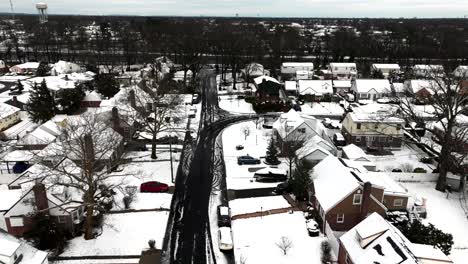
point(241, 160)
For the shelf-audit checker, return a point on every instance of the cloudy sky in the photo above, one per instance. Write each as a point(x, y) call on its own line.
point(277, 8)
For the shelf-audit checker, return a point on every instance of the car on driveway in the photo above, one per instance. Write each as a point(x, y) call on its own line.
point(312, 228)
point(283, 188)
point(241, 160)
point(224, 216)
point(270, 175)
point(225, 239)
point(153, 187)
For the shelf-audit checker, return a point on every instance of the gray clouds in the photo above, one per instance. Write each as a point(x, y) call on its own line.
point(294, 8)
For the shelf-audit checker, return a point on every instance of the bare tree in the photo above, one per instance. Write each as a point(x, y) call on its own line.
point(449, 100)
point(80, 160)
point(407, 167)
point(246, 131)
point(157, 108)
point(289, 149)
point(285, 244)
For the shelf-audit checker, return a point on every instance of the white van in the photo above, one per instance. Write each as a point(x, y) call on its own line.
point(225, 239)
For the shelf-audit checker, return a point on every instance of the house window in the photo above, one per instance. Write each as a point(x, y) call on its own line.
point(398, 127)
point(376, 126)
point(62, 219)
point(398, 202)
point(340, 218)
point(357, 198)
point(358, 125)
point(302, 130)
point(358, 139)
point(348, 260)
point(76, 215)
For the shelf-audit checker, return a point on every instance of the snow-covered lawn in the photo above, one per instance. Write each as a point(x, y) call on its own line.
point(258, 204)
point(238, 177)
point(446, 214)
point(408, 155)
point(122, 234)
point(151, 201)
point(255, 240)
point(234, 105)
point(322, 109)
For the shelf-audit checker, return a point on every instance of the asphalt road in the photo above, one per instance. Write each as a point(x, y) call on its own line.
point(187, 236)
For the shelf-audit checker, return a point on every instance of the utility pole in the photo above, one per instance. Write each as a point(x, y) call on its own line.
point(170, 157)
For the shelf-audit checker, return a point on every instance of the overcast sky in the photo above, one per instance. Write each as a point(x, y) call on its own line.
point(277, 8)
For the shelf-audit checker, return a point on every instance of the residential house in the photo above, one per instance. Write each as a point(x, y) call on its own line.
point(385, 69)
point(345, 193)
point(292, 126)
point(373, 130)
point(291, 88)
point(341, 70)
point(25, 68)
point(16, 251)
point(268, 89)
point(461, 71)
point(55, 84)
point(40, 137)
point(421, 89)
point(370, 89)
point(375, 240)
point(341, 86)
point(254, 70)
point(304, 75)
point(314, 90)
point(290, 69)
point(9, 115)
point(355, 153)
point(92, 100)
point(65, 67)
point(425, 71)
point(315, 150)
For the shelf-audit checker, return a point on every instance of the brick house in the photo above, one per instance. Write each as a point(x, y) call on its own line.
point(346, 193)
point(92, 99)
point(68, 214)
point(373, 130)
point(268, 89)
point(374, 240)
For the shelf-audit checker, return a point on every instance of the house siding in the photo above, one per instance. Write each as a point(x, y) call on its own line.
point(342, 255)
point(388, 201)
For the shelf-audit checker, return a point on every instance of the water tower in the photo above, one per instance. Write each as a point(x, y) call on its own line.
point(42, 9)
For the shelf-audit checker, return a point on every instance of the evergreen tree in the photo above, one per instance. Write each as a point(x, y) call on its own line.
point(45, 234)
point(272, 153)
point(300, 180)
point(42, 69)
point(107, 85)
point(19, 86)
point(417, 232)
point(41, 105)
point(70, 100)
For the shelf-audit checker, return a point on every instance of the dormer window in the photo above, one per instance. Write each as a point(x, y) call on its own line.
point(357, 199)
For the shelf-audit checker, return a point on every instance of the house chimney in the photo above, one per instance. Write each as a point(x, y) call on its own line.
point(15, 101)
point(115, 118)
point(131, 98)
point(366, 196)
point(40, 196)
point(150, 255)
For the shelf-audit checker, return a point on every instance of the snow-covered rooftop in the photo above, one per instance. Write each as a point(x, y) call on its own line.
point(7, 110)
point(8, 198)
point(354, 152)
point(343, 64)
point(298, 64)
point(28, 65)
point(92, 97)
point(374, 118)
point(317, 87)
point(417, 85)
point(367, 85)
point(43, 135)
point(385, 66)
point(342, 83)
point(290, 86)
point(260, 79)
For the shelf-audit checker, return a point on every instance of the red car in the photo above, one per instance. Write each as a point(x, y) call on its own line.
point(154, 186)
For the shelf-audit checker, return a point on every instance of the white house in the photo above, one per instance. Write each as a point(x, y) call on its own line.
point(15, 251)
point(424, 70)
point(343, 70)
point(386, 69)
point(292, 126)
point(27, 67)
point(371, 89)
point(9, 115)
point(355, 153)
point(290, 87)
point(317, 88)
point(341, 86)
point(460, 72)
point(65, 67)
point(291, 68)
point(304, 75)
point(316, 149)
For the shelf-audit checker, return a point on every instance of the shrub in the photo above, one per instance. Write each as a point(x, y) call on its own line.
point(325, 248)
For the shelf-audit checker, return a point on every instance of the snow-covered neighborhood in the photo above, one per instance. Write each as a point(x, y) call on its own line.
point(194, 140)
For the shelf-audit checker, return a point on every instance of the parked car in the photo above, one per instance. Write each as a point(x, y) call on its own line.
point(20, 167)
point(312, 228)
point(154, 187)
point(282, 188)
point(327, 122)
point(270, 175)
point(241, 160)
point(224, 216)
point(419, 207)
point(239, 147)
point(339, 140)
point(225, 239)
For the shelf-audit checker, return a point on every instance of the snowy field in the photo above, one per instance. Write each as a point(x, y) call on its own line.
point(122, 234)
point(255, 240)
point(407, 156)
point(322, 109)
point(238, 177)
point(258, 204)
point(446, 214)
point(234, 105)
